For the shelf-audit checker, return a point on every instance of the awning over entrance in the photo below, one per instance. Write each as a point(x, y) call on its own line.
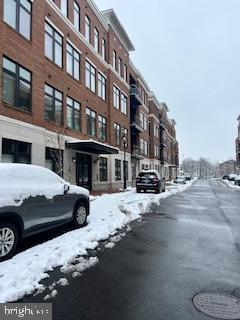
point(91, 146)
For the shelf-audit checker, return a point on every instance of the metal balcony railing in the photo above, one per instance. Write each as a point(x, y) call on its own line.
point(137, 152)
point(137, 124)
point(134, 92)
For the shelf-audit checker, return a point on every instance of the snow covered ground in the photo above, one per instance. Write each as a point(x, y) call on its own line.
point(22, 274)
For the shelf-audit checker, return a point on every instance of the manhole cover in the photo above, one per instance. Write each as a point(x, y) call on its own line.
point(218, 305)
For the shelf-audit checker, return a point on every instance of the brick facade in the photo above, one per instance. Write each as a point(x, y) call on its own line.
point(32, 127)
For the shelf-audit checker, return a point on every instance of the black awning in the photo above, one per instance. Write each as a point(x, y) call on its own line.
point(91, 147)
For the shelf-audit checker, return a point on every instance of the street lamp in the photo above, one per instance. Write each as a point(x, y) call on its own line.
point(124, 139)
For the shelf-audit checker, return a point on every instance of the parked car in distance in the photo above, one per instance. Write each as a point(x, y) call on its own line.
point(188, 177)
point(34, 199)
point(232, 177)
point(225, 177)
point(150, 180)
point(237, 180)
point(180, 179)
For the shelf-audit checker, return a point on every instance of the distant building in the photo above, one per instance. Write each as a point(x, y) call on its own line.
point(227, 167)
point(238, 146)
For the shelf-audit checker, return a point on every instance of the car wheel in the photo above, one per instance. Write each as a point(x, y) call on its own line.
point(157, 190)
point(9, 238)
point(80, 215)
point(138, 190)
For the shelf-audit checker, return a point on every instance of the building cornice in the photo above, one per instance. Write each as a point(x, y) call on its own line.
point(82, 38)
point(98, 14)
point(112, 19)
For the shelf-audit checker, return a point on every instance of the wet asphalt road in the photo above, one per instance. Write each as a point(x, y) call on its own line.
point(188, 244)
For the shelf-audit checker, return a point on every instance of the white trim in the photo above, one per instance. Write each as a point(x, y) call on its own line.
point(102, 74)
point(153, 116)
point(88, 60)
point(73, 45)
point(98, 14)
point(54, 26)
point(118, 76)
point(117, 87)
point(82, 38)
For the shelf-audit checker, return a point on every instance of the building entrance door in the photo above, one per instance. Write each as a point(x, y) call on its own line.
point(84, 171)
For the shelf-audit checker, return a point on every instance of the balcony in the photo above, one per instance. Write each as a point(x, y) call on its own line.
point(137, 125)
point(137, 152)
point(135, 95)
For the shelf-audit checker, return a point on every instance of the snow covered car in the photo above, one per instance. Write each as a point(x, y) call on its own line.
point(181, 180)
point(34, 199)
point(237, 180)
point(232, 177)
point(150, 180)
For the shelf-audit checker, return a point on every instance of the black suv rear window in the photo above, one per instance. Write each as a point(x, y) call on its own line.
point(148, 175)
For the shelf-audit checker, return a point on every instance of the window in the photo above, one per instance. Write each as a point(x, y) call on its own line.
point(101, 86)
point(91, 122)
point(90, 77)
point(125, 133)
point(76, 16)
point(117, 133)
point(123, 103)
point(17, 13)
point(73, 114)
point(125, 75)
point(118, 175)
point(125, 165)
point(144, 146)
point(141, 119)
point(103, 48)
point(87, 29)
point(145, 126)
point(102, 128)
point(53, 45)
point(73, 62)
point(53, 104)
point(156, 151)
point(96, 39)
point(114, 60)
point(64, 7)
point(103, 169)
point(17, 82)
point(120, 66)
point(116, 97)
point(16, 151)
point(156, 131)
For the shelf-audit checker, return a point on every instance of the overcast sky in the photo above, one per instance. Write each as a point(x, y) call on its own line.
point(189, 53)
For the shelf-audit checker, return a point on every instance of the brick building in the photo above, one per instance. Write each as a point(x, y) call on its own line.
point(227, 167)
point(238, 147)
point(65, 92)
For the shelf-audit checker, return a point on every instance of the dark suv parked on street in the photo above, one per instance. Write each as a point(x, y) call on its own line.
point(150, 180)
point(34, 199)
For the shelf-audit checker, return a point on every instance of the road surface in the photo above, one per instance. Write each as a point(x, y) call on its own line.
point(187, 244)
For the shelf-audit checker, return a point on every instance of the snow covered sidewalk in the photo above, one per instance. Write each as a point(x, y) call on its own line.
point(21, 275)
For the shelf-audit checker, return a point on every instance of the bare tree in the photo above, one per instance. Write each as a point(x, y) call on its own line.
point(56, 151)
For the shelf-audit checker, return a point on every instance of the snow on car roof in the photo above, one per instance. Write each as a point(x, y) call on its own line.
point(149, 171)
point(21, 181)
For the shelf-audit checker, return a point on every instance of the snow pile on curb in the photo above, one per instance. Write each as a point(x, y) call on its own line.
point(231, 184)
point(21, 275)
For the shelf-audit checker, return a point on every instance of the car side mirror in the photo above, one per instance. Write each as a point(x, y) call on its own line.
point(66, 188)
